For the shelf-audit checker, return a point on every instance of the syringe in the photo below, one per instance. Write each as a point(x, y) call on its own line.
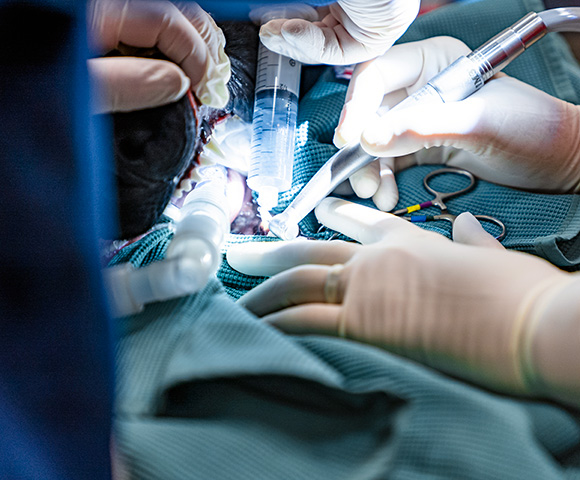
point(275, 112)
point(458, 81)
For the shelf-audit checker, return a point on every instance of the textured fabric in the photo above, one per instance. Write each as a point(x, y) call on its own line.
point(208, 391)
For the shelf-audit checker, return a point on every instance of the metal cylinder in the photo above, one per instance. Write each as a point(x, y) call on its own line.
point(495, 54)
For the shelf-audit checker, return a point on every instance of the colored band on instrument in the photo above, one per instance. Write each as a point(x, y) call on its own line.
point(421, 218)
point(419, 206)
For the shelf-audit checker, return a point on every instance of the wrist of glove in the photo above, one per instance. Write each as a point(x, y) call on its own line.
point(183, 32)
point(508, 132)
point(469, 309)
point(353, 31)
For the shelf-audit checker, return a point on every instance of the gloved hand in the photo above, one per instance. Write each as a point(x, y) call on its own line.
point(351, 31)
point(184, 33)
point(506, 320)
point(508, 133)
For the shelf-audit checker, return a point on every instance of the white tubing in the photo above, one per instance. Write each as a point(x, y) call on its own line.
point(193, 256)
point(566, 19)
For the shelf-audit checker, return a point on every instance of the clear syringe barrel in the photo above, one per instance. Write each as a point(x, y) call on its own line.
point(275, 111)
point(273, 126)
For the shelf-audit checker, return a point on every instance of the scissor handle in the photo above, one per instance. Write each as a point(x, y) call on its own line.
point(495, 221)
point(440, 196)
point(448, 217)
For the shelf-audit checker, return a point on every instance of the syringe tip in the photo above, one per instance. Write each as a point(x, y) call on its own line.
point(283, 227)
point(267, 197)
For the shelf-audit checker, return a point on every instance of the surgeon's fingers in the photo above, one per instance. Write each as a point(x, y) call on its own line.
point(316, 319)
point(219, 74)
point(387, 194)
point(161, 24)
point(298, 286)
point(269, 258)
point(313, 43)
point(207, 29)
point(468, 230)
point(402, 132)
point(377, 180)
point(363, 98)
point(363, 224)
point(128, 83)
point(406, 67)
point(365, 182)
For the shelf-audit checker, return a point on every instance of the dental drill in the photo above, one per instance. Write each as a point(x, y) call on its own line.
point(193, 256)
point(458, 81)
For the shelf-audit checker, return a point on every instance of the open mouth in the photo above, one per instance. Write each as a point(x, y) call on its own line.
point(224, 139)
point(158, 150)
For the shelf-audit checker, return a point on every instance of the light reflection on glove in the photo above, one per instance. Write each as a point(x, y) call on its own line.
point(351, 31)
point(184, 33)
point(508, 133)
point(506, 320)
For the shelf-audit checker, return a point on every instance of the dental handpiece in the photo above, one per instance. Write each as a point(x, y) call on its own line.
point(458, 81)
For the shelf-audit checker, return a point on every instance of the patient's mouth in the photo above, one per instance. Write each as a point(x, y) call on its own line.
point(229, 146)
point(157, 150)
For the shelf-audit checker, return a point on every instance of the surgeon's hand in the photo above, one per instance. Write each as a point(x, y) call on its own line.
point(351, 31)
point(508, 133)
point(503, 319)
point(183, 32)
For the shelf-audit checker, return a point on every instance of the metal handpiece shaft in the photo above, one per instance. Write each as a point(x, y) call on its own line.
point(458, 81)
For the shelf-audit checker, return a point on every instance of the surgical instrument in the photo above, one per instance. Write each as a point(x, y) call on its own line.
point(458, 81)
point(275, 112)
point(193, 255)
point(441, 197)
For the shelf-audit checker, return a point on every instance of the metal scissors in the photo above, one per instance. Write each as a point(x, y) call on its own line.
point(441, 197)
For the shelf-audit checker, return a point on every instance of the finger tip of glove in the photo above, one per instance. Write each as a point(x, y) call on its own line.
point(295, 27)
point(273, 27)
point(339, 139)
point(185, 85)
point(262, 259)
point(466, 225)
point(386, 201)
point(243, 257)
point(365, 185)
point(372, 140)
point(469, 231)
point(294, 32)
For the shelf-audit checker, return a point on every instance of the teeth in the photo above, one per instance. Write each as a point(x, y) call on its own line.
point(184, 186)
point(229, 145)
point(214, 146)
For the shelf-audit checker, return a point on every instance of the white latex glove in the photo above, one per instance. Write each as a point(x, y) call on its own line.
point(507, 320)
point(183, 32)
point(508, 133)
point(351, 31)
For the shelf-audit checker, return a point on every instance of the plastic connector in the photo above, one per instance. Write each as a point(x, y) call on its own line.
point(193, 256)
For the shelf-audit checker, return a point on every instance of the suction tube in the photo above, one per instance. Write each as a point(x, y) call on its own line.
point(566, 19)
